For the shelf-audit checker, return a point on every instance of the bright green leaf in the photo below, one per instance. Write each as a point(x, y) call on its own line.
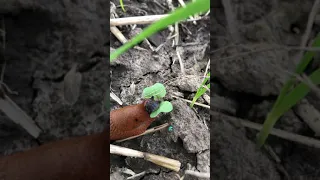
point(164, 107)
point(158, 91)
point(201, 90)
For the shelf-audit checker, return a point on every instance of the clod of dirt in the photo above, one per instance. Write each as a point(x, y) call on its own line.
point(310, 115)
point(264, 72)
point(162, 176)
point(203, 161)
point(117, 176)
point(261, 73)
point(189, 128)
point(244, 13)
point(288, 122)
point(139, 64)
point(303, 162)
point(190, 84)
point(224, 104)
point(194, 54)
point(234, 156)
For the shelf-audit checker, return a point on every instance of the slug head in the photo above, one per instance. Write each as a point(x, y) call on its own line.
point(151, 105)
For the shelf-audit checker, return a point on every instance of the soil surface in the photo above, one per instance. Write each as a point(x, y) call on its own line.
point(248, 78)
point(43, 41)
point(189, 142)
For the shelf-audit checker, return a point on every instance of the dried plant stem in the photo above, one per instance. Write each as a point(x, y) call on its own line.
point(178, 51)
point(312, 142)
point(198, 174)
point(3, 50)
point(171, 164)
point(9, 107)
point(151, 130)
point(137, 175)
point(231, 20)
point(305, 37)
point(17, 115)
point(142, 20)
point(118, 34)
point(199, 104)
point(116, 98)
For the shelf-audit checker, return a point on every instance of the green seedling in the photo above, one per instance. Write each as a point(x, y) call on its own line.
point(290, 95)
point(157, 92)
point(195, 7)
point(202, 89)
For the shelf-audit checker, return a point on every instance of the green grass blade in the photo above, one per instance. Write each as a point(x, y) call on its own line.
point(289, 101)
point(283, 103)
point(308, 56)
point(201, 90)
point(179, 14)
point(199, 94)
point(122, 6)
point(300, 68)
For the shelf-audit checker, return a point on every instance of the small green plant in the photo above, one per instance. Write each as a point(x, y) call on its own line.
point(202, 89)
point(195, 7)
point(290, 95)
point(157, 92)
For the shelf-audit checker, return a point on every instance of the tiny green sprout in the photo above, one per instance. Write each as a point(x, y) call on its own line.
point(170, 128)
point(157, 92)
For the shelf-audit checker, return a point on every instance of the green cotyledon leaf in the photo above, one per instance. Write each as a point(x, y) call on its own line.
point(157, 91)
point(164, 107)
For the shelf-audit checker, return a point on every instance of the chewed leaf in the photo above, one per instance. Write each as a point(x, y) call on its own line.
point(164, 107)
point(157, 91)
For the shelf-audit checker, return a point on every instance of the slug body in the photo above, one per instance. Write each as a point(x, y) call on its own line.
point(81, 158)
point(78, 158)
point(129, 121)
